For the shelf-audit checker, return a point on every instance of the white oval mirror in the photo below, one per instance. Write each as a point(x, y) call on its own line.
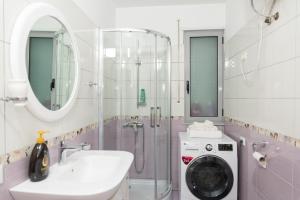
point(50, 63)
point(44, 52)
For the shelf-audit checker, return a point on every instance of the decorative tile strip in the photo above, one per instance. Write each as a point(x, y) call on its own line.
point(129, 117)
point(278, 137)
point(177, 117)
point(24, 152)
point(106, 121)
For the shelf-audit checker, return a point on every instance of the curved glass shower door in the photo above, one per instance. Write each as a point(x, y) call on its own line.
point(136, 66)
point(163, 54)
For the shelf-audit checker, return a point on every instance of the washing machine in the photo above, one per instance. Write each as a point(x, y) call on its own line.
point(209, 168)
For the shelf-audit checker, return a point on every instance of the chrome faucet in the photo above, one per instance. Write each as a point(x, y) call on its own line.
point(66, 149)
point(134, 124)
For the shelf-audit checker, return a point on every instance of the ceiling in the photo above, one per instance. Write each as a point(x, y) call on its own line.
point(141, 3)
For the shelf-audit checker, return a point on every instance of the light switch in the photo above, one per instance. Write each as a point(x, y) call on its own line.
point(1, 174)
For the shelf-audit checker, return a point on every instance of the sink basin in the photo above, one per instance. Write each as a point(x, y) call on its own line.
point(86, 175)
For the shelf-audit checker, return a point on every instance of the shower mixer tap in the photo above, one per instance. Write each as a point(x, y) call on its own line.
point(134, 124)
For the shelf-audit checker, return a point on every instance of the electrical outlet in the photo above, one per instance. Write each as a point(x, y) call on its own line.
point(1, 174)
point(243, 141)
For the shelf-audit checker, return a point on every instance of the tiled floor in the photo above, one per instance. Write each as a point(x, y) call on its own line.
point(143, 189)
point(175, 195)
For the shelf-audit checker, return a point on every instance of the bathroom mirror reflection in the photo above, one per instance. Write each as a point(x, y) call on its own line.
point(50, 63)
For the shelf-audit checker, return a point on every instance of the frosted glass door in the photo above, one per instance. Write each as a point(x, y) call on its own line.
point(162, 147)
point(40, 68)
point(204, 77)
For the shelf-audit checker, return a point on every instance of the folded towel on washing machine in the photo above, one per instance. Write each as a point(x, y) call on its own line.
point(204, 130)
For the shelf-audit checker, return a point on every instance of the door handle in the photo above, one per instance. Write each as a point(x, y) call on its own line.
point(188, 87)
point(158, 117)
point(152, 117)
point(52, 84)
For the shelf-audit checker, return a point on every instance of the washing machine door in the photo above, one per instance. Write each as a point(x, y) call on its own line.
point(209, 177)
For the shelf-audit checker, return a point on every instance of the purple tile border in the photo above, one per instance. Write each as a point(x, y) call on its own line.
point(16, 172)
point(24, 152)
point(280, 180)
point(266, 132)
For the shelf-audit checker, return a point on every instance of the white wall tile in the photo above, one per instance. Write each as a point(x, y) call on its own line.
point(297, 78)
point(89, 36)
point(174, 89)
point(231, 108)
point(2, 20)
point(84, 112)
point(86, 55)
point(12, 9)
point(277, 81)
point(296, 132)
point(177, 108)
point(276, 115)
point(21, 127)
point(85, 91)
point(279, 45)
point(247, 110)
point(269, 99)
point(214, 15)
point(175, 51)
point(20, 124)
point(177, 71)
point(298, 35)
point(2, 114)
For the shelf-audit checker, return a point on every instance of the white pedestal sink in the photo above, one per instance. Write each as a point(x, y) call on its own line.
point(86, 175)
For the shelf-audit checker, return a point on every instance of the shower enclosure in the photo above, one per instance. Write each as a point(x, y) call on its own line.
point(136, 106)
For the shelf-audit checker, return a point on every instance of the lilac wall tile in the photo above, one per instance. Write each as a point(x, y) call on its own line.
point(110, 135)
point(175, 195)
point(272, 186)
point(296, 180)
point(296, 194)
point(281, 179)
point(282, 166)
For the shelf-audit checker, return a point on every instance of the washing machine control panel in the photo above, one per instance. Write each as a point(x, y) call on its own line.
point(209, 147)
point(225, 147)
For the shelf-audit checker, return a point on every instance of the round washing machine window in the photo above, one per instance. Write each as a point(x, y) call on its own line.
point(209, 178)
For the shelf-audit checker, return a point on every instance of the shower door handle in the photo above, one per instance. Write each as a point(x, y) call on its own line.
point(158, 116)
point(188, 87)
point(152, 117)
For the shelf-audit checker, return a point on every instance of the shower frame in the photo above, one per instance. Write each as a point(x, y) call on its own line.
point(167, 194)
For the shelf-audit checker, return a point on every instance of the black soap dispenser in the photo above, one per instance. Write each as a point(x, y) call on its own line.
point(39, 160)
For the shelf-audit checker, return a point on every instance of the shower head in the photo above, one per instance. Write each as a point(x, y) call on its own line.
point(269, 18)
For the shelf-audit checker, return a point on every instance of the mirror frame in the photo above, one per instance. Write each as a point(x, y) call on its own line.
point(24, 23)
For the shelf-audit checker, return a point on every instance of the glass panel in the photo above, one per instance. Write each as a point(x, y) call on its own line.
point(136, 88)
point(137, 84)
point(204, 76)
point(40, 68)
point(2, 103)
point(163, 117)
point(64, 72)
